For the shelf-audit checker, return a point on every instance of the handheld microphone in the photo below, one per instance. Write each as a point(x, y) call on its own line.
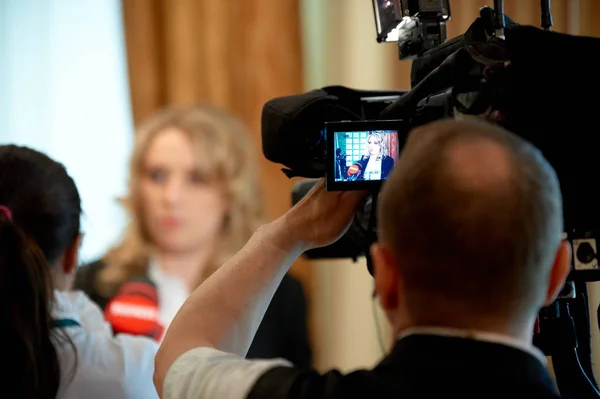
point(134, 310)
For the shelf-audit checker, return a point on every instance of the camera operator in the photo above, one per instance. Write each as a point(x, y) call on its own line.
point(469, 251)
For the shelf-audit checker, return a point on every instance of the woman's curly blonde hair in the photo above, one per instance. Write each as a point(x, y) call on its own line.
point(379, 136)
point(227, 156)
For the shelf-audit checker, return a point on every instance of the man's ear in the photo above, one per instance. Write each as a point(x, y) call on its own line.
point(70, 260)
point(387, 276)
point(560, 271)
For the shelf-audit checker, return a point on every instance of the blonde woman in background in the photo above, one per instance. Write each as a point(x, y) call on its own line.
point(194, 201)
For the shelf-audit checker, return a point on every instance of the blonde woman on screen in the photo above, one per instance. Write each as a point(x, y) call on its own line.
point(376, 164)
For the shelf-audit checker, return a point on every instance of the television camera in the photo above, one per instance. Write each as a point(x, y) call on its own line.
point(537, 83)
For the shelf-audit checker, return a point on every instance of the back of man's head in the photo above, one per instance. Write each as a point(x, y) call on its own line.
point(473, 216)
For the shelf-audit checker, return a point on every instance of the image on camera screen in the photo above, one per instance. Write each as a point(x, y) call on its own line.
point(365, 156)
point(386, 14)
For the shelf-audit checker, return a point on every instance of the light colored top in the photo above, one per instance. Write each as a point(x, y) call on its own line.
point(172, 293)
point(373, 169)
point(209, 373)
point(115, 367)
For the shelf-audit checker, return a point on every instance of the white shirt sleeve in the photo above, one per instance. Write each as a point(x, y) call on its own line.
point(118, 367)
point(209, 373)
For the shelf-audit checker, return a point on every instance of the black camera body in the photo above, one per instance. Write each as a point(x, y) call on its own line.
point(536, 83)
point(511, 81)
point(371, 150)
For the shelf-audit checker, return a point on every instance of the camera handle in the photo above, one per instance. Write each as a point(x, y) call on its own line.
point(546, 14)
point(500, 23)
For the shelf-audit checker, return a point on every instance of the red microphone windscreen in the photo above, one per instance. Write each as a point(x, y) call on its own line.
point(354, 169)
point(134, 310)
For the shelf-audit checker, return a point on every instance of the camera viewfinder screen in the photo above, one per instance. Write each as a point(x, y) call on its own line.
point(386, 15)
point(365, 156)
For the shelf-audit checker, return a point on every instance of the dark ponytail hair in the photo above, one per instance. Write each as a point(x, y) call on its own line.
point(45, 210)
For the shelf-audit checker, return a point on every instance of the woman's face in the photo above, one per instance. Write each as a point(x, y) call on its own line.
point(374, 146)
point(181, 211)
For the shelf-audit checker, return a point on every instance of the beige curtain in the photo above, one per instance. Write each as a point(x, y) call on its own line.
point(235, 54)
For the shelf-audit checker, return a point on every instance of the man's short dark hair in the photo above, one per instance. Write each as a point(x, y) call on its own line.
point(483, 239)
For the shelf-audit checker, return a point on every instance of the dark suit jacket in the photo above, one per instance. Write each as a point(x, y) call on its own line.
point(424, 367)
point(282, 333)
point(387, 164)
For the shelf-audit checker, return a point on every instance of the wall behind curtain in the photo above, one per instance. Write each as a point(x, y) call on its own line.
point(340, 48)
point(63, 85)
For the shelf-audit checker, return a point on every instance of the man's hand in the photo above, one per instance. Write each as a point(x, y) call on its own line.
point(225, 311)
point(321, 217)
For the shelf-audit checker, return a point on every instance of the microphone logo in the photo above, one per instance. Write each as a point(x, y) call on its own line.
point(126, 308)
point(135, 311)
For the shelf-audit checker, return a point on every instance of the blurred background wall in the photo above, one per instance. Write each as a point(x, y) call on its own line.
point(64, 90)
point(77, 75)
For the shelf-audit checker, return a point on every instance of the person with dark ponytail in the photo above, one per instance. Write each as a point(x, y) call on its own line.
point(55, 342)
